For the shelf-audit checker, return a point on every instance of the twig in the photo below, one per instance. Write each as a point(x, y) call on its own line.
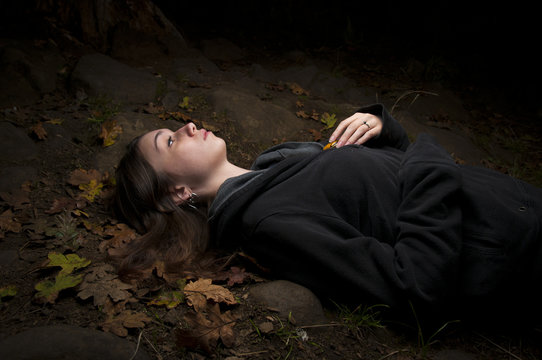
point(498, 346)
point(156, 351)
point(393, 353)
point(417, 92)
point(137, 346)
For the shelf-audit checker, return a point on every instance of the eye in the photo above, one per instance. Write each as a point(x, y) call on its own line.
point(170, 141)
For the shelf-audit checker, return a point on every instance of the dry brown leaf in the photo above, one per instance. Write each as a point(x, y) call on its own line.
point(204, 332)
point(82, 176)
point(120, 233)
point(316, 135)
point(302, 114)
point(18, 199)
point(110, 132)
point(102, 283)
point(39, 131)
point(127, 319)
point(8, 223)
point(297, 89)
point(199, 291)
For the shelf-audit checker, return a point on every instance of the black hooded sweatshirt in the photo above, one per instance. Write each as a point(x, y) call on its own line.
point(387, 223)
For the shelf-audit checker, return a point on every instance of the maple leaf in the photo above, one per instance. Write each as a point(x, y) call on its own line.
point(101, 283)
point(48, 290)
point(39, 131)
point(127, 319)
point(199, 291)
point(8, 223)
point(82, 176)
point(68, 263)
point(110, 132)
point(204, 332)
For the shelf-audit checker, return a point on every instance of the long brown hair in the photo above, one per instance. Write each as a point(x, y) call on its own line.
point(176, 235)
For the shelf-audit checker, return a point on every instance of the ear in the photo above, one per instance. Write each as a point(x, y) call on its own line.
point(181, 194)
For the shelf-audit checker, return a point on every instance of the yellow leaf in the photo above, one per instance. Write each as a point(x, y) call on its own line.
point(110, 132)
point(39, 131)
point(198, 292)
point(48, 290)
point(68, 263)
point(91, 190)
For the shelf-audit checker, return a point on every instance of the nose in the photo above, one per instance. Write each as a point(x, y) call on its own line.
point(189, 129)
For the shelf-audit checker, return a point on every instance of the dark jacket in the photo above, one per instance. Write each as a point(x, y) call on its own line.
point(389, 223)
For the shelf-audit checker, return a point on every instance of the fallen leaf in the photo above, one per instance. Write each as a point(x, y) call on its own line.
point(62, 204)
point(91, 190)
point(127, 319)
point(18, 199)
point(39, 131)
point(170, 299)
point(297, 90)
point(48, 290)
point(299, 104)
point(120, 233)
point(68, 263)
point(199, 291)
point(316, 135)
point(302, 114)
point(110, 132)
point(8, 223)
point(328, 120)
point(204, 332)
point(7, 291)
point(82, 176)
point(102, 283)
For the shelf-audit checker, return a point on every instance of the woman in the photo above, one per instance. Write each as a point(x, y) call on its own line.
point(384, 222)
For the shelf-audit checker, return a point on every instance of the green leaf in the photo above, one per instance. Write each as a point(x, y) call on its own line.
point(68, 263)
point(7, 291)
point(48, 290)
point(328, 120)
point(171, 299)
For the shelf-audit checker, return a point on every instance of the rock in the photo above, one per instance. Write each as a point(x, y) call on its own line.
point(288, 297)
point(67, 342)
point(255, 120)
point(12, 177)
point(454, 355)
point(100, 75)
point(222, 50)
point(15, 145)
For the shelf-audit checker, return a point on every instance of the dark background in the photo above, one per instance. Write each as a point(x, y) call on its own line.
point(493, 46)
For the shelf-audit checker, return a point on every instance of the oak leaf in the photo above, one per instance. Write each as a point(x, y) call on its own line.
point(62, 204)
point(18, 199)
point(101, 283)
point(199, 291)
point(170, 299)
point(127, 319)
point(204, 332)
point(91, 190)
point(48, 290)
point(110, 132)
point(82, 176)
point(120, 234)
point(8, 223)
point(68, 263)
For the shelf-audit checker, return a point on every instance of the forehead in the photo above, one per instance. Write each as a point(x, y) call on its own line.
point(147, 143)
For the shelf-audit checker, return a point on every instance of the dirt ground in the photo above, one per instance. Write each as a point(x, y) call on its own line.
point(60, 210)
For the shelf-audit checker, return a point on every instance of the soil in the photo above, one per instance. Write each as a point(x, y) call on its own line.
point(72, 142)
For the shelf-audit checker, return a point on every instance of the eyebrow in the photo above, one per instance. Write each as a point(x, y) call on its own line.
point(155, 140)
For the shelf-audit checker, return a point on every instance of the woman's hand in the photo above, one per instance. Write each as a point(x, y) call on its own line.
point(356, 129)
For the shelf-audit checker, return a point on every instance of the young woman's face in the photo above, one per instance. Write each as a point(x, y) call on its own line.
point(187, 155)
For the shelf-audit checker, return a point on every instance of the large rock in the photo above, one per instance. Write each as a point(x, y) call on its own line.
point(255, 120)
point(289, 298)
point(67, 342)
point(100, 75)
point(15, 145)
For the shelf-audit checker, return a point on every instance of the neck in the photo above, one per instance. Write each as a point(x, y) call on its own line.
point(222, 173)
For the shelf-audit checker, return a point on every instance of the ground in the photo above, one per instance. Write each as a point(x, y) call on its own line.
point(57, 172)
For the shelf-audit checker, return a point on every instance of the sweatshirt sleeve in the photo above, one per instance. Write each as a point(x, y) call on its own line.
point(392, 134)
point(336, 260)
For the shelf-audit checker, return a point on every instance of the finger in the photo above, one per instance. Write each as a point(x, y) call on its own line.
point(366, 136)
point(341, 127)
